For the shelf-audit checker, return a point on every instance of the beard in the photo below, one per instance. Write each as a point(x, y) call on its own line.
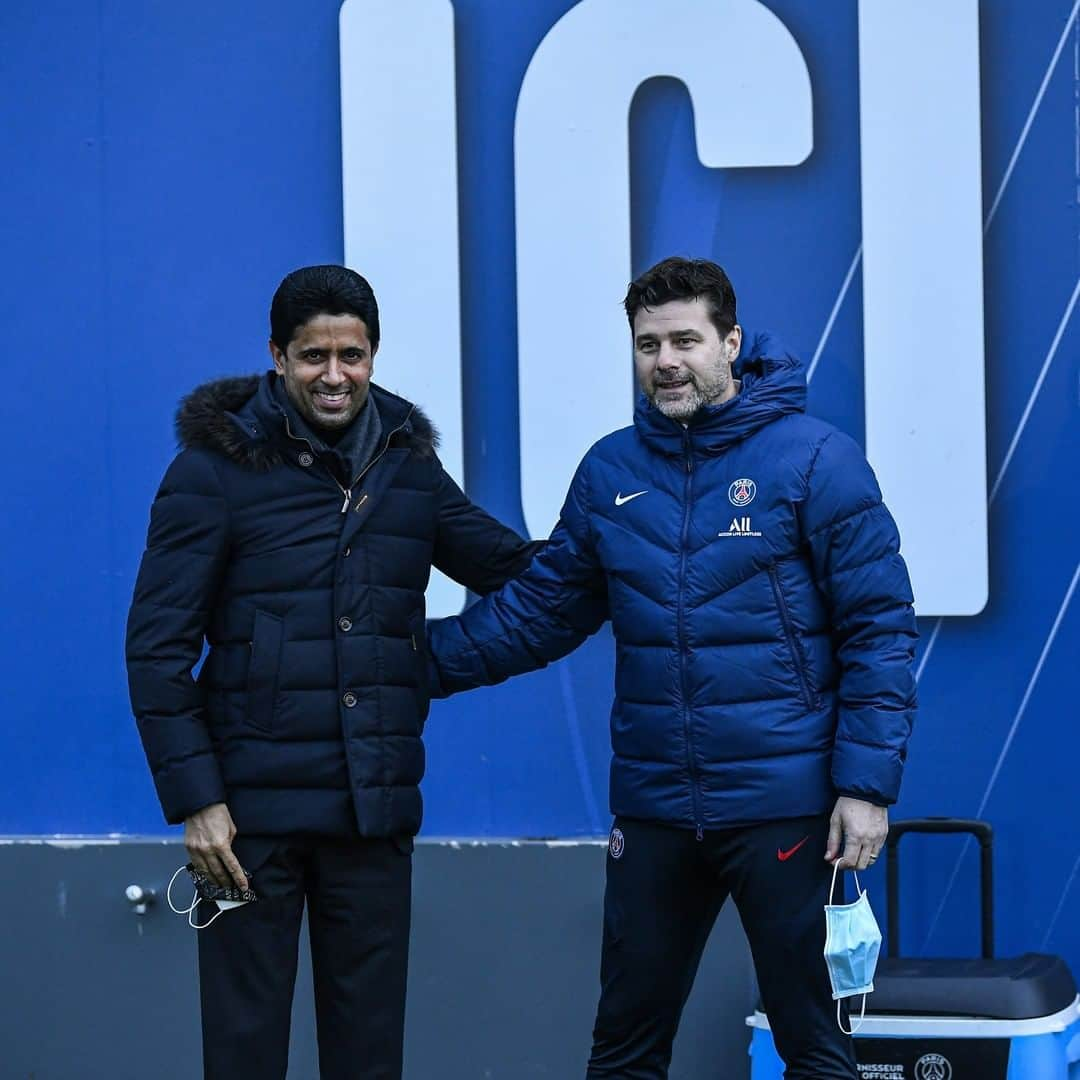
point(697, 391)
point(331, 420)
point(303, 397)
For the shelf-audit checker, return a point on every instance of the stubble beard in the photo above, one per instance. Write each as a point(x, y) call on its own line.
point(303, 397)
point(333, 421)
point(702, 392)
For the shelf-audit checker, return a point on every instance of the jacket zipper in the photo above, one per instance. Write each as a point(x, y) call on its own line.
point(688, 491)
point(371, 463)
point(347, 491)
point(789, 633)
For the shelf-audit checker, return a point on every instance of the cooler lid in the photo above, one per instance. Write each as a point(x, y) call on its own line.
point(1017, 988)
point(954, 1027)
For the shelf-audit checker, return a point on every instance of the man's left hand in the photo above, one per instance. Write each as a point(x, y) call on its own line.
point(863, 828)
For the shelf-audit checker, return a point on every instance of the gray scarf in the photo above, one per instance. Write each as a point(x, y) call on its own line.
point(352, 451)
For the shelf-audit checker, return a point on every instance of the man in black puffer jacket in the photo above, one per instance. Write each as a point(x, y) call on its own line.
point(295, 534)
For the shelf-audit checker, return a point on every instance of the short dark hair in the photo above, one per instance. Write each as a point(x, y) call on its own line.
point(684, 279)
point(321, 290)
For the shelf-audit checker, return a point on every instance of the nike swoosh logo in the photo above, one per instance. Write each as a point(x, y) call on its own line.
point(621, 498)
point(783, 856)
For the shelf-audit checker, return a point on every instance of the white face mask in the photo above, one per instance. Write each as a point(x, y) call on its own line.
point(222, 905)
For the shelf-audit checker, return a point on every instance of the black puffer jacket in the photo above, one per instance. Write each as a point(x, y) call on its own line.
point(307, 714)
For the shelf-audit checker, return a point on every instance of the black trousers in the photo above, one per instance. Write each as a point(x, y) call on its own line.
point(358, 896)
point(664, 891)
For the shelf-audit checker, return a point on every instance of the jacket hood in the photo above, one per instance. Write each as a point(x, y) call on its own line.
point(239, 418)
point(773, 384)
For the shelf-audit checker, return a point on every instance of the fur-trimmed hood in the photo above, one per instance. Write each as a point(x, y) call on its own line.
point(239, 418)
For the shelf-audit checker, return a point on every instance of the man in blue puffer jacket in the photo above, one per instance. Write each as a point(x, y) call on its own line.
point(764, 691)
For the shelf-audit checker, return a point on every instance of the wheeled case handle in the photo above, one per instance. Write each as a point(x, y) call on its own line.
point(982, 832)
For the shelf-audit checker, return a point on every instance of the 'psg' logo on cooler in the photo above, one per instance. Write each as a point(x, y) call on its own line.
point(933, 1067)
point(742, 492)
point(616, 844)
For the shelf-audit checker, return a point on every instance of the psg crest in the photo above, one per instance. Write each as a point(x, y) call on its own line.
point(616, 844)
point(742, 492)
point(933, 1067)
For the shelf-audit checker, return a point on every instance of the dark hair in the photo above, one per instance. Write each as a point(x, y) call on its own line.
point(321, 290)
point(684, 279)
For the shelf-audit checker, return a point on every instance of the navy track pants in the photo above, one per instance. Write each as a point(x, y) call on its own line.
point(664, 891)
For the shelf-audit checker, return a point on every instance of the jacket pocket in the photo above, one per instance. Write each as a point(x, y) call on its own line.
point(263, 670)
point(791, 637)
point(418, 640)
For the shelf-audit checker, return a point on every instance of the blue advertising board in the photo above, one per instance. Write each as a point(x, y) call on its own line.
point(893, 188)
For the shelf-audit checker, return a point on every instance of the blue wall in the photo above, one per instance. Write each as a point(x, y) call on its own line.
point(167, 164)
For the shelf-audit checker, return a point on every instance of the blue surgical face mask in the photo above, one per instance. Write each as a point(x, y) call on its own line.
point(852, 944)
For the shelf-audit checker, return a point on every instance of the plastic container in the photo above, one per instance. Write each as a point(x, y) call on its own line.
point(938, 1019)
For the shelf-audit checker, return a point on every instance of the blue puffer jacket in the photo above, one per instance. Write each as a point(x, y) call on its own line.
point(762, 613)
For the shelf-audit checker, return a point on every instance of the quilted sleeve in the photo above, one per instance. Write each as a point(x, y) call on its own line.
point(538, 617)
point(472, 547)
point(855, 549)
point(178, 577)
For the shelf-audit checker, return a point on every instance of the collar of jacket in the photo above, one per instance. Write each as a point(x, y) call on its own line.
point(770, 387)
point(355, 446)
point(240, 418)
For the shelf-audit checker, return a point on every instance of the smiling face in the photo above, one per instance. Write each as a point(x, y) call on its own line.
point(682, 362)
point(327, 368)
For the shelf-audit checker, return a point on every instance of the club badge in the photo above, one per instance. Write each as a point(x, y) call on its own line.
point(616, 844)
point(742, 492)
point(933, 1067)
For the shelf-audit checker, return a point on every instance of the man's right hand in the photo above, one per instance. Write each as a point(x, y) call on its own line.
point(208, 837)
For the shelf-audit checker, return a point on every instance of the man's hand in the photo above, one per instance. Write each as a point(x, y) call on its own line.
point(208, 837)
point(863, 827)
